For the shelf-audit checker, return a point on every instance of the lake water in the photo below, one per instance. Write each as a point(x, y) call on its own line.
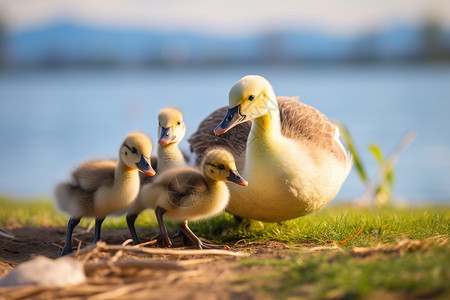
point(50, 121)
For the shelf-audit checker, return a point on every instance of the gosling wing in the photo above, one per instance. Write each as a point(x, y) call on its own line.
point(93, 174)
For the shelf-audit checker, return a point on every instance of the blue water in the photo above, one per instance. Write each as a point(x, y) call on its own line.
point(50, 121)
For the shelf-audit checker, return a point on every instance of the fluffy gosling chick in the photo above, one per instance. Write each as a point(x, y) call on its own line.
point(171, 131)
point(184, 194)
point(101, 187)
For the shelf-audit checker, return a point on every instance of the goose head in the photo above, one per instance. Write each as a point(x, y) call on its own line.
point(135, 152)
point(219, 165)
point(171, 126)
point(249, 98)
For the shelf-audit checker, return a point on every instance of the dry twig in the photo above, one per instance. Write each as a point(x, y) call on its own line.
point(138, 264)
point(101, 246)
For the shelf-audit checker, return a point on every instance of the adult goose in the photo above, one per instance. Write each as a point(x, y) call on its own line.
point(289, 152)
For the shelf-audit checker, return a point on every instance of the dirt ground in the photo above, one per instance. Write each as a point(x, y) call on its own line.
point(115, 271)
point(199, 276)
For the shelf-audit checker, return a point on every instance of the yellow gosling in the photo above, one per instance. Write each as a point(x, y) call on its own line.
point(171, 131)
point(102, 187)
point(183, 194)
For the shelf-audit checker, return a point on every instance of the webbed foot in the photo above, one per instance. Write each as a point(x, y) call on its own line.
point(204, 245)
point(162, 240)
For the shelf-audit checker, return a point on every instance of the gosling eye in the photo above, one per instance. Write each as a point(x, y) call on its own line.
point(179, 123)
point(133, 150)
point(221, 167)
point(251, 97)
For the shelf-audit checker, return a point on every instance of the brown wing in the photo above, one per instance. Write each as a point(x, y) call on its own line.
point(92, 174)
point(302, 122)
point(181, 183)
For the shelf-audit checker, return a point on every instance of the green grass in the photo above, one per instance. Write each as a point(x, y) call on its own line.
point(333, 223)
point(43, 212)
point(336, 223)
point(416, 274)
point(326, 274)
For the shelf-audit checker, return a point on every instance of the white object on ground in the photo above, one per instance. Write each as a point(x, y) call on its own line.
point(46, 272)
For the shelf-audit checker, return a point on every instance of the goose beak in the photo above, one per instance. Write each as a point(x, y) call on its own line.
point(232, 119)
point(235, 177)
point(145, 166)
point(166, 136)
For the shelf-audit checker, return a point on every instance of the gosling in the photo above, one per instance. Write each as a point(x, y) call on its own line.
point(99, 188)
point(171, 131)
point(184, 194)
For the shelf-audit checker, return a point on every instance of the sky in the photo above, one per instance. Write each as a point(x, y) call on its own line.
point(231, 17)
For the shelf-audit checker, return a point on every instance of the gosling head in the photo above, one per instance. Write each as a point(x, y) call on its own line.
point(135, 152)
point(219, 165)
point(249, 98)
point(171, 126)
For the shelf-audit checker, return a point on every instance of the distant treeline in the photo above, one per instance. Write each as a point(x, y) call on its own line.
point(66, 45)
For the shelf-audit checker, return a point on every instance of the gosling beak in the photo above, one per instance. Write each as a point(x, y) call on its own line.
point(235, 177)
point(232, 119)
point(166, 136)
point(145, 166)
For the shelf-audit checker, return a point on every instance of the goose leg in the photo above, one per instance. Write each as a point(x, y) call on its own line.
point(98, 227)
point(163, 235)
point(73, 222)
point(196, 241)
point(185, 241)
point(188, 232)
point(131, 218)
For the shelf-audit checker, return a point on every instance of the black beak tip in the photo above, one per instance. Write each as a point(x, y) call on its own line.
point(236, 178)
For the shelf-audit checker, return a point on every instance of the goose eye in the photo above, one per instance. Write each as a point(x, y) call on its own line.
point(179, 123)
point(133, 150)
point(251, 97)
point(221, 167)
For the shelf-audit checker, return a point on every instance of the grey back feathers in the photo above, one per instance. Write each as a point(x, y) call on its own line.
point(84, 181)
point(302, 122)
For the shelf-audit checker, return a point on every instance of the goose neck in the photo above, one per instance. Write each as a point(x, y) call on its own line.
point(267, 125)
point(122, 174)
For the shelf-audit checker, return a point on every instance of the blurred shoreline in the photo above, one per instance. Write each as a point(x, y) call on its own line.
point(68, 44)
point(444, 64)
